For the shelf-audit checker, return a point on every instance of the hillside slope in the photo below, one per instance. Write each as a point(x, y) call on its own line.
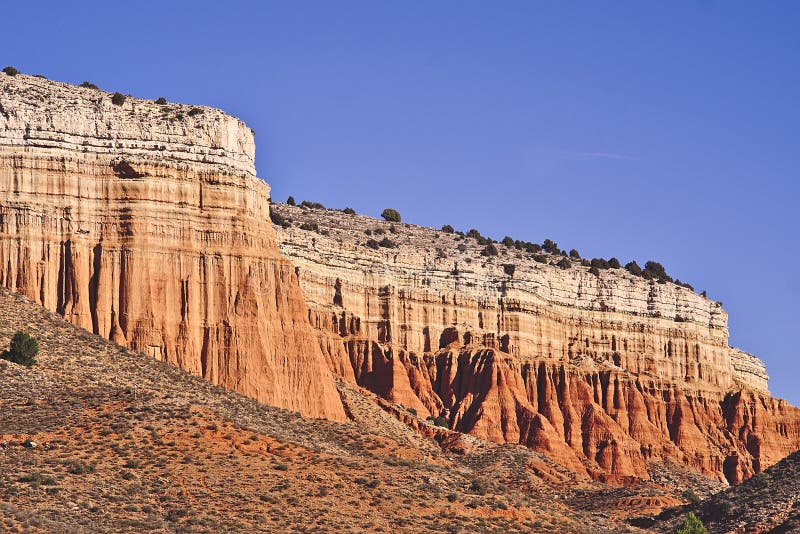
point(767, 503)
point(127, 443)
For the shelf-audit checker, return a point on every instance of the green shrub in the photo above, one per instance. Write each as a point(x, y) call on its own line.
point(509, 269)
point(540, 258)
point(23, 350)
point(195, 111)
point(349, 211)
point(118, 99)
point(594, 270)
point(447, 229)
point(438, 421)
point(279, 219)
point(654, 270)
point(391, 214)
point(690, 496)
point(508, 241)
point(633, 268)
point(489, 250)
point(291, 201)
point(11, 71)
point(564, 263)
point(88, 85)
point(311, 205)
point(161, 101)
point(599, 263)
point(574, 254)
point(474, 234)
point(479, 486)
point(691, 525)
point(461, 247)
point(614, 263)
point(387, 243)
point(550, 246)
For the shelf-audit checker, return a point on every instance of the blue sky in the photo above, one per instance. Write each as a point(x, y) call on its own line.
point(641, 130)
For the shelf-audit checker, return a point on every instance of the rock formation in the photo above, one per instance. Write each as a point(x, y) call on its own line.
point(146, 224)
point(603, 373)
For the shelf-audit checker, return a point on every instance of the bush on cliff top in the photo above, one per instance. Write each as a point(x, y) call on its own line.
point(118, 99)
point(489, 250)
point(391, 214)
point(23, 350)
point(11, 71)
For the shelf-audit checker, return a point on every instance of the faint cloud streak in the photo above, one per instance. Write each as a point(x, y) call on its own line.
point(600, 155)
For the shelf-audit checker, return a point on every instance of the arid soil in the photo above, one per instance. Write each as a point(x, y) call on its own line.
point(122, 442)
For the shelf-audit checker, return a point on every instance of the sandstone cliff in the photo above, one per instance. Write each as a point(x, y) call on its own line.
point(146, 224)
point(604, 373)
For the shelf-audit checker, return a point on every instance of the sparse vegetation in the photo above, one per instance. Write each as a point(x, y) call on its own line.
point(279, 219)
point(195, 111)
point(88, 85)
point(509, 268)
point(11, 71)
point(564, 263)
point(447, 229)
point(349, 211)
point(690, 496)
point(291, 201)
point(161, 101)
point(118, 99)
point(311, 205)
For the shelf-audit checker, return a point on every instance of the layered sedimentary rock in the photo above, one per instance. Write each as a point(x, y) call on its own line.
point(603, 372)
point(146, 224)
point(749, 370)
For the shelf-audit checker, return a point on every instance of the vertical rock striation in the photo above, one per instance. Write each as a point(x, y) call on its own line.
point(606, 374)
point(146, 224)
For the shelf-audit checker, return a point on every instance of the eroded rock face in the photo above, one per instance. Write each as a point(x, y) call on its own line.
point(146, 224)
point(603, 373)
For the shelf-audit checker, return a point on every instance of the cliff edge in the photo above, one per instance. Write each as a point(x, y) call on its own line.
point(605, 371)
point(144, 222)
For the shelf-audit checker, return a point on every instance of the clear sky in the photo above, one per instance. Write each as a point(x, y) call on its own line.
point(641, 130)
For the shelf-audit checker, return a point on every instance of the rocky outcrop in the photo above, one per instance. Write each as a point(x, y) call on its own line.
point(749, 370)
point(146, 224)
point(603, 373)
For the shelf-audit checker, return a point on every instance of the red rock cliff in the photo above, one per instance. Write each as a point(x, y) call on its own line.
point(606, 373)
point(146, 224)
